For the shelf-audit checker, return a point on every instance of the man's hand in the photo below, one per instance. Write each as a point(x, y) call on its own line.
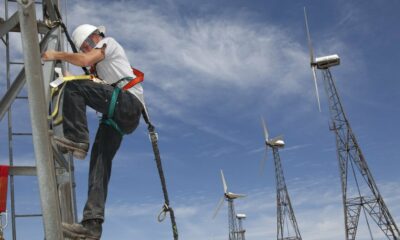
point(49, 55)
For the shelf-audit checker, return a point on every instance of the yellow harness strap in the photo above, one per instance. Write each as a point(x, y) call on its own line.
point(54, 114)
point(77, 77)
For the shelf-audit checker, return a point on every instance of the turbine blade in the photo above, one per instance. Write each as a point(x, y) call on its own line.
point(265, 129)
point(309, 38)
point(218, 207)
point(224, 182)
point(316, 88)
point(263, 161)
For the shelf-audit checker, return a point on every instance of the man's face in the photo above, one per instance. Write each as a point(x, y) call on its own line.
point(89, 43)
point(85, 47)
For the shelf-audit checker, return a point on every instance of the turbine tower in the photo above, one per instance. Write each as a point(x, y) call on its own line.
point(229, 197)
point(353, 167)
point(241, 231)
point(287, 228)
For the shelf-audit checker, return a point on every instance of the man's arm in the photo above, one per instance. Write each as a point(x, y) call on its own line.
point(78, 59)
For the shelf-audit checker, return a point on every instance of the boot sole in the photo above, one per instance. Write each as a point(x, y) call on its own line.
point(77, 152)
point(71, 233)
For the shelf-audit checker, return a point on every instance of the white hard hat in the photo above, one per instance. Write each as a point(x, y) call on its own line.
point(83, 31)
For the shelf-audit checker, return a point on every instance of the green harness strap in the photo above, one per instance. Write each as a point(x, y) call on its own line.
point(111, 108)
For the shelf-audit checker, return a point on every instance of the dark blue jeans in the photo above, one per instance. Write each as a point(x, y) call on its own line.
point(79, 94)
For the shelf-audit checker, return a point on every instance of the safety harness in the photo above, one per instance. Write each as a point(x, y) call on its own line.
point(108, 118)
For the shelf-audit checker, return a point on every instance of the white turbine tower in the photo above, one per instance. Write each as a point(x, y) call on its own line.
point(229, 197)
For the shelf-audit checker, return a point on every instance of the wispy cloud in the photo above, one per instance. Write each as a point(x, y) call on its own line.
point(257, 150)
point(184, 58)
point(296, 147)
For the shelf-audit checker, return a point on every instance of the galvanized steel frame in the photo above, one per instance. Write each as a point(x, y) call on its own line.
point(52, 195)
point(233, 225)
point(284, 209)
point(350, 155)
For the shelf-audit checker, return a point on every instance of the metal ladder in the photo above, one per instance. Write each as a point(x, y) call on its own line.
point(28, 170)
point(64, 169)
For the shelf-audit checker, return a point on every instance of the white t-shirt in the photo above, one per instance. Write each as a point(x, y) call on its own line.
point(116, 66)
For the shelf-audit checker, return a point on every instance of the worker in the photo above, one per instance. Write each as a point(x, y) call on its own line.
point(109, 63)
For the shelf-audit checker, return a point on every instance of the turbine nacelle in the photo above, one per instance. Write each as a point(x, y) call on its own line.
point(326, 61)
point(231, 195)
point(241, 216)
point(276, 142)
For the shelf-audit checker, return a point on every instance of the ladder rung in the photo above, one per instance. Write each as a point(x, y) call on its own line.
point(28, 215)
point(36, 2)
point(19, 63)
point(22, 97)
point(22, 171)
point(22, 134)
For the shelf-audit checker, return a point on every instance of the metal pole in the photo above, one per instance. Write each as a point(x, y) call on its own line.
point(40, 130)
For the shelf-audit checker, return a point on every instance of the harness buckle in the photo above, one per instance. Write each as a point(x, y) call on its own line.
point(163, 213)
point(52, 24)
point(59, 80)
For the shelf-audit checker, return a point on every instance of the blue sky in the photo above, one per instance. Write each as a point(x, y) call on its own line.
point(212, 68)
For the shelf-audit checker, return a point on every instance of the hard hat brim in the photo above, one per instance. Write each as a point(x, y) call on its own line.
point(102, 29)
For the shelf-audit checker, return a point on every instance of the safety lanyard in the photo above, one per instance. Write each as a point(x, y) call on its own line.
point(138, 79)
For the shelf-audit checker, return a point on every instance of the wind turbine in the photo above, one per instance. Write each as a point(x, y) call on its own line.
point(320, 63)
point(229, 197)
point(287, 228)
point(277, 141)
point(351, 160)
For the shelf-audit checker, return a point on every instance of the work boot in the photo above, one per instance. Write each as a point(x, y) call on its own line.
point(94, 227)
point(88, 230)
point(79, 150)
point(74, 231)
point(77, 154)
